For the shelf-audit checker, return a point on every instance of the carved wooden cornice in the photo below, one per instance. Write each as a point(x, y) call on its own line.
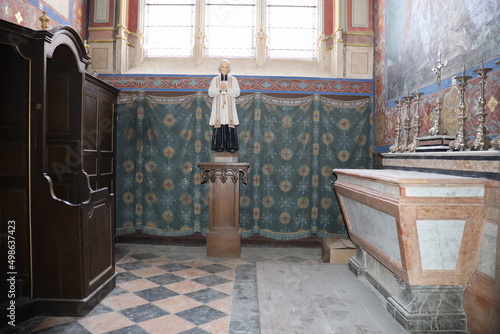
point(213, 170)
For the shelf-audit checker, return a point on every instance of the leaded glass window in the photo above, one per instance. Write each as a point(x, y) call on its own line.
point(169, 28)
point(230, 28)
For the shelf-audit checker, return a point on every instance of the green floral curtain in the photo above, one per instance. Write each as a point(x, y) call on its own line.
point(292, 146)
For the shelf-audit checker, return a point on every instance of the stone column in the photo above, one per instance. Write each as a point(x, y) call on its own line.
point(223, 238)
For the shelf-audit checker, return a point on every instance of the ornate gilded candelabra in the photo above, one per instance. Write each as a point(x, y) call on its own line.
point(437, 127)
point(481, 141)
point(397, 132)
point(406, 123)
point(460, 142)
point(395, 147)
point(495, 143)
point(415, 124)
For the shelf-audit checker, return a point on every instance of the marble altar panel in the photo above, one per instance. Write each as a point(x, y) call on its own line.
point(483, 164)
point(439, 243)
point(445, 191)
point(382, 187)
point(375, 226)
point(487, 253)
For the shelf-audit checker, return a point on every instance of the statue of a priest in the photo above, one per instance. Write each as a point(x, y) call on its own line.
point(224, 89)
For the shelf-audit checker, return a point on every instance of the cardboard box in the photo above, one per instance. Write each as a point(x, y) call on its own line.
point(337, 250)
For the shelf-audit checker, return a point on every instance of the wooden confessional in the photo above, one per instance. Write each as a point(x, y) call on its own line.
point(57, 157)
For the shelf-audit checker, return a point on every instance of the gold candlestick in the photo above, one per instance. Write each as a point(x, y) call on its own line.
point(437, 127)
point(495, 143)
point(395, 147)
point(481, 141)
point(406, 123)
point(460, 142)
point(415, 124)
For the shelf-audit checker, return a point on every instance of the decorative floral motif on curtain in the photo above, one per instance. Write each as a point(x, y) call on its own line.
point(292, 146)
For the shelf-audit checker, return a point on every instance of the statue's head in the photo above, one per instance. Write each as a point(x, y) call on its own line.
point(224, 66)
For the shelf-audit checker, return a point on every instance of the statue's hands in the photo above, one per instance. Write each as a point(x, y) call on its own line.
point(223, 85)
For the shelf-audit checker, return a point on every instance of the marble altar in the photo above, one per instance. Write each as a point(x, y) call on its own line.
point(418, 237)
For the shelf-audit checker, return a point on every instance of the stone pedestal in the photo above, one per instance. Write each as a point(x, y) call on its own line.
point(223, 173)
point(418, 308)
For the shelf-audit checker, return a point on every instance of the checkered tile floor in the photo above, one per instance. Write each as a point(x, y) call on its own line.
point(168, 289)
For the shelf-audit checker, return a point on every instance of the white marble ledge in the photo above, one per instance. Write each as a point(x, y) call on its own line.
point(446, 154)
point(407, 177)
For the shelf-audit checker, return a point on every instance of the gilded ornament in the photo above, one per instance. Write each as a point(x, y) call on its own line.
point(268, 137)
point(208, 135)
point(169, 120)
point(326, 203)
point(168, 184)
point(267, 201)
point(285, 218)
point(256, 213)
point(492, 103)
point(139, 177)
point(326, 171)
point(256, 180)
point(186, 134)
point(344, 155)
point(315, 180)
point(186, 199)
point(315, 149)
point(257, 114)
point(344, 124)
point(128, 197)
point(168, 152)
point(197, 146)
point(361, 139)
point(150, 198)
point(268, 169)
point(43, 19)
point(19, 19)
point(168, 216)
point(128, 166)
point(198, 179)
point(86, 45)
point(244, 201)
point(327, 138)
point(304, 170)
point(286, 154)
point(304, 138)
point(287, 121)
point(245, 136)
point(129, 133)
point(186, 167)
point(139, 145)
point(150, 166)
point(286, 186)
point(140, 113)
point(303, 202)
point(256, 147)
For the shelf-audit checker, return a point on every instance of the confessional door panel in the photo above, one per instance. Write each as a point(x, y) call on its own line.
point(99, 113)
point(14, 168)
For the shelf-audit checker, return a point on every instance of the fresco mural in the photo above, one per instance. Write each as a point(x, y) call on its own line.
point(464, 30)
point(60, 12)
